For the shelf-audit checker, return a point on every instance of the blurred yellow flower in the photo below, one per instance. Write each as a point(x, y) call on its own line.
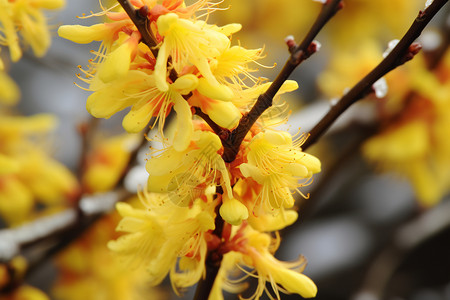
point(31, 177)
point(9, 91)
point(25, 292)
point(414, 141)
point(26, 17)
point(107, 162)
point(90, 271)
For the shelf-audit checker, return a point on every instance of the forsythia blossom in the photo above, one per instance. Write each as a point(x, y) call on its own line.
point(163, 232)
point(195, 69)
point(277, 164)
point(90, 271)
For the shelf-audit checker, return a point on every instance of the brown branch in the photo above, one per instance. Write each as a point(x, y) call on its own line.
point(435, 56)
point(85, 130)
point(212, 266)
point(49, 235)
point(403, 52)
point(140, 19)
point(298, 55)
point(216, 128)
point(213, 259)
point(232, 141)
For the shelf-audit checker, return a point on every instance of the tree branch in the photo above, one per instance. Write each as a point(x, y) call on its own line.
point(216, 128)
point(140, 19)
point(403, 52)
point(213, 259)
point(298, 55)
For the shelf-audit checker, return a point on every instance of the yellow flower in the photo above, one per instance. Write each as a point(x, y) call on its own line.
point(275, 115)
point(107, 163)
point(253, 249)
point(137, 89)
point(233, 63)
point(270, 222)
point(9, 91)
point(269, 268)
point(228, 265)
point(233, 211)
point(119, 44)
point(32, 176)
point(414, 143)
point(192, 43)
point(277, 164)
point(224, 114)
point(165, 238)
point(87, 34)
point(117, 62)
point(186, 174)
point(89, 270)
point(26, 17)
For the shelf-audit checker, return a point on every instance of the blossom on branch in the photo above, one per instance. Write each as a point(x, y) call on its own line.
point(173, 59)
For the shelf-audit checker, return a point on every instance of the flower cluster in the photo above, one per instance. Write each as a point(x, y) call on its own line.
point(90, 271)
point(414, 140)
point(411, 141)
point(24, 17)
point(28, 176)
point(193, 68)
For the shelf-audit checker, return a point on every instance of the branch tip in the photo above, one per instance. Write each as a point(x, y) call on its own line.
point(290, 42)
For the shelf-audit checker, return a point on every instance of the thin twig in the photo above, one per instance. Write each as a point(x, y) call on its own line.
point(435, 56)
point(404, 51)
point(298, 55)
point(216, 128)
point(140, 19)
point(86, 130)
point(62, 229)
point(232, 141)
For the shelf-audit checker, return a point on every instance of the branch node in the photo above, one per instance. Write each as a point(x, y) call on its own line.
point(413, 49)
point(290, 42)
point(313, 48)
point(142, 13)
point(224, 134)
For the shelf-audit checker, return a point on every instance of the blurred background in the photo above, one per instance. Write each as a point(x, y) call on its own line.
point(364, 230)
